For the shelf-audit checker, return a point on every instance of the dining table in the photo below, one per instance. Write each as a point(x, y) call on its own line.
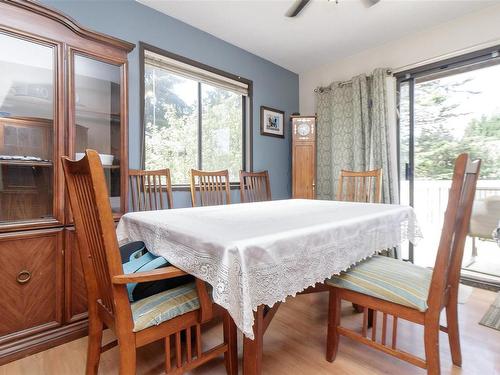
point(255, 255)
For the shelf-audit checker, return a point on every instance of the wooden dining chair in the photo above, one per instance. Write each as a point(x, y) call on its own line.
point(254, 186)
point(147, 187)
point(158, 317)
point(364, 187)
point(410, 292)
point(360, 186)
point(212, 188)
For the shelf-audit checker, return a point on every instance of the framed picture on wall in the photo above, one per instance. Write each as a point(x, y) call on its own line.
point(272, 122)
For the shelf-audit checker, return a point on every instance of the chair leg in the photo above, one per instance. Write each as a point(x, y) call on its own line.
point(231, 339)
point(94, 346)
point(431, 342)
point(358, 308)
point(127, 350)
point(453, 333)
point(332, 338)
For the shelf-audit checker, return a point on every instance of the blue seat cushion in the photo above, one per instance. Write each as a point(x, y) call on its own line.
point(136, 258)
point(388, 279)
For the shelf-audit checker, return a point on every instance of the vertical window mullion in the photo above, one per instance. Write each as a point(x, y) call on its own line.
point(243, 133)
point(200, 113)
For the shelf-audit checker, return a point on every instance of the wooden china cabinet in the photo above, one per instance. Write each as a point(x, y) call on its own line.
point(63, 89)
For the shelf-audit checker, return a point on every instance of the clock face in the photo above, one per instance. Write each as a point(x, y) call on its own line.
point(304, 129)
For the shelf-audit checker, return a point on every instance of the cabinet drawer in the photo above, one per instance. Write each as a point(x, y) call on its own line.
point(31, 282)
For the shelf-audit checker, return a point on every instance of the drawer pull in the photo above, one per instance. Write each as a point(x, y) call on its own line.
point(23, 277)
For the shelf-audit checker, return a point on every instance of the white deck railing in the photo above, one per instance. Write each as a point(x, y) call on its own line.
point(431, 198)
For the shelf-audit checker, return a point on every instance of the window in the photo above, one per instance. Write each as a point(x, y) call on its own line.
point(194, 117)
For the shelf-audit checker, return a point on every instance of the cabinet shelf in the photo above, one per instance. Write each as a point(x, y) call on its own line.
point(83, 113)
point(27, 163)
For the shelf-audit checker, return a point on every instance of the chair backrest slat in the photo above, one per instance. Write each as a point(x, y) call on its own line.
point(95, 230)
point(148, 187)
point(446, 275)
point(210, 188)
point(360, 186)
point(254, 186)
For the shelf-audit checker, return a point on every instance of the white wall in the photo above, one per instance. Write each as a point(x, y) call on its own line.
point(476, 29)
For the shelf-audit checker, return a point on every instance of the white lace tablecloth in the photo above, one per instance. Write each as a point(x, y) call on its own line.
point(260, 253)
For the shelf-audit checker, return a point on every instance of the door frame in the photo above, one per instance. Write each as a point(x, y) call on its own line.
point(446, 67)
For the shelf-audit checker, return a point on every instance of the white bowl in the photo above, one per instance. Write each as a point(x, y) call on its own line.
point(106, 159)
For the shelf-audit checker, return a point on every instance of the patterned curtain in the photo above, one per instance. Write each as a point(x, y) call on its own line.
point(356, 131)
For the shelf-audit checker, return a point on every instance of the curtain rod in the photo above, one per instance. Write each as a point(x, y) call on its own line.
point(455, 53)
point(343, 83)
point(463, 51)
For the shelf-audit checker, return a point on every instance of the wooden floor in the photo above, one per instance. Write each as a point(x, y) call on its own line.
point(295, 344)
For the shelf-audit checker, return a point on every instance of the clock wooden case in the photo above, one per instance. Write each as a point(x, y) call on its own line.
point(304, 157)
point(64, 89)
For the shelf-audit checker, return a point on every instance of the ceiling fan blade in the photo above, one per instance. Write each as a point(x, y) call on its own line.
point(369, 3)
point(297, 8)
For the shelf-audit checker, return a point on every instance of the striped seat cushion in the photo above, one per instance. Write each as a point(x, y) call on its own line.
point(164, 306)
point(388, 279)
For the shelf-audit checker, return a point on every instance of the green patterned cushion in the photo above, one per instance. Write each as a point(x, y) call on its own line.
point(388, 279)
point(164, 306)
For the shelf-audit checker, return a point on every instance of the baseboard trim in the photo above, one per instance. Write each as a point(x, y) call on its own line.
point(27, 346)
point(479, 283)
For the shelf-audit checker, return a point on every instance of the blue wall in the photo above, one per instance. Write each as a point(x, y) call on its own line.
point(274, 86)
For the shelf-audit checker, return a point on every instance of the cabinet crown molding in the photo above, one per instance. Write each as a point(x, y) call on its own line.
point(70, 23)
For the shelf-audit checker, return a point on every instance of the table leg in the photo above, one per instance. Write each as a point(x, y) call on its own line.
point(252, 349)
point(231, 338)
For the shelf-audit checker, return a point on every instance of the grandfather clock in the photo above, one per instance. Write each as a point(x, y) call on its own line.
point(304, 157)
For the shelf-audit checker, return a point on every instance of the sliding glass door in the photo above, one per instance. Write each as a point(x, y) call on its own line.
point(444, 111)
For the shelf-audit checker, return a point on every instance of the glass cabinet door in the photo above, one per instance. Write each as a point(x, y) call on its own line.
point(27, 154)
point(97, 117)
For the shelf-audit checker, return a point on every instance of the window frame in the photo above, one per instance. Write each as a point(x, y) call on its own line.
point(247, 109)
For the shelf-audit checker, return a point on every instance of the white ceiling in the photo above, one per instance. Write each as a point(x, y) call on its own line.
point(323, 32)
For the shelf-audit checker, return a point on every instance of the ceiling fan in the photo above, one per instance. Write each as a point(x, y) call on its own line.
point(299, 5)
